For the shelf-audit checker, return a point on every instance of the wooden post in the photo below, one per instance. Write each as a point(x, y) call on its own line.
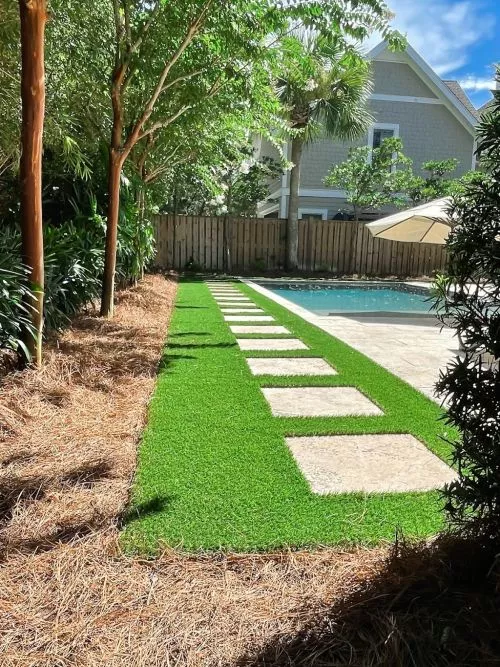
point(33, 17)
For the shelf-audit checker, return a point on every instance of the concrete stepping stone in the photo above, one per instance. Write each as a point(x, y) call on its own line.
point(276, 344)
point(262, 329)
point(233, 311)
point(248, 318)
point(369, 463)
point(232, 298)
point(225, 304)
point(290, 366)
point(319, 402)
point(223, 294)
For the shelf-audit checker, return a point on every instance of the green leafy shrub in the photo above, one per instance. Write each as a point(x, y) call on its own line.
point(468, 298)
point(15, 296)
point(74, 262)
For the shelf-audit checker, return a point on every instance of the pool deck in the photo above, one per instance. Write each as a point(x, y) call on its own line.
point(413, 348)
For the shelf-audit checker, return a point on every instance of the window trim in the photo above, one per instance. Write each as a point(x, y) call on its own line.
point(323, 212)
point(381, 126)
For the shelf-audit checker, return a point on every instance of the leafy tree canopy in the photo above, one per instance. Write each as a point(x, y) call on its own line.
point(372, 178)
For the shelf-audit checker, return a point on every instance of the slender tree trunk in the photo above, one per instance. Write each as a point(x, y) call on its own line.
point(108, 282)
point(354, 241)
point(227, 239)
point(292, 227)
point(33, 15)
point(140, 226)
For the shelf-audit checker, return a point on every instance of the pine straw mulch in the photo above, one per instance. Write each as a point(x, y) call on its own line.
point(69, 597)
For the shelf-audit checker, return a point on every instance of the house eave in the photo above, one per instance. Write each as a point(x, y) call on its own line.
point(431, 79)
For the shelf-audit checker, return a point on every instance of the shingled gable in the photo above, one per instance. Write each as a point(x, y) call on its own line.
point(450, 92)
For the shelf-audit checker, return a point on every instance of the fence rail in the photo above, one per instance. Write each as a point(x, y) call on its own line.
point(258, 245)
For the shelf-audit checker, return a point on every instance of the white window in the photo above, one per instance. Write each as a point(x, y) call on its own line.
point(381, 131)
point(314, 213)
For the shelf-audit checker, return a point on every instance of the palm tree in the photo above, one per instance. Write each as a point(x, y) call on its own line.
point(325, 94)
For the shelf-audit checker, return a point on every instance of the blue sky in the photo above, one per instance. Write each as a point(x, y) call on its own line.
point(458, 38)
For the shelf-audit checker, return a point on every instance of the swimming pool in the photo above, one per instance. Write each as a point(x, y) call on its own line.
point(332, 298)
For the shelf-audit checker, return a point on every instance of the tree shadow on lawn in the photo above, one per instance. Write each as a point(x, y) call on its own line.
point(190, 333)
point(186, 346)
point(430, 605)
point(150, 507)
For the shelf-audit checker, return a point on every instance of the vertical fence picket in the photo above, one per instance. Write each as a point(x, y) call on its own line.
point(260, 243)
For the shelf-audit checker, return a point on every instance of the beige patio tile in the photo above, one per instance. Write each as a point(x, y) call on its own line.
point(249, 309)
point(263, 329)
point(276, 344)
point(290, 366)
point(248, 318)
point(231, 297)
point(369, 463)
point(319, 402)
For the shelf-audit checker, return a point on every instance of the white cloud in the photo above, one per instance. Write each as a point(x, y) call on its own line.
point(477, 83)
point(443, 31)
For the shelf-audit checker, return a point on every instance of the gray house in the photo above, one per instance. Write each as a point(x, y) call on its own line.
point(434, 118)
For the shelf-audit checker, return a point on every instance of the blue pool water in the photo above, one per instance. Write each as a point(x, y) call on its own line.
point(368, 298)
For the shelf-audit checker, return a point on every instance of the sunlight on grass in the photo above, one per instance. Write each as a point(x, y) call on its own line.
point(214, 470)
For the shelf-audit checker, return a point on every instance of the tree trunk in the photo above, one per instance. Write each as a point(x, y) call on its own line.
point(141, 207)
point(33, 16)
point(354, 241)
point(292, 227)
point(108, 282)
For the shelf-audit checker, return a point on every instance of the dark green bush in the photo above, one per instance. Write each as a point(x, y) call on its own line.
point(74, 261)
point(15, 295)
point(469, 299)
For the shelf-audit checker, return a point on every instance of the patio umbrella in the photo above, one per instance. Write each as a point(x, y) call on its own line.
point(428, 223)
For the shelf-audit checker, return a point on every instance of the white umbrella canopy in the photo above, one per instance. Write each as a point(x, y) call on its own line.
point(428, 223)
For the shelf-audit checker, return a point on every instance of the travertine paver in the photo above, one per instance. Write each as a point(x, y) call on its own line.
point(290, 366)
point(248, 318)
point(249, 309)
point(368, 463)
point(276, 344)
point(221, 295)
point(413, 348)
point(231, 297)
point(263, 329)
point(319, 402)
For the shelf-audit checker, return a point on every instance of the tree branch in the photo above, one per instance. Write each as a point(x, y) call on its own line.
point(145, 28)
point(174, 82)
point(128, 31)
point(156, 173)
point(192, 31)
point(164, 123)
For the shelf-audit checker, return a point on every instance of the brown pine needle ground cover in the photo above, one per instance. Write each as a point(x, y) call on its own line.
point(68, 597)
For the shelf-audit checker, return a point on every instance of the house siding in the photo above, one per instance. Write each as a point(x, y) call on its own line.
point(398, 79)
point(429, 131)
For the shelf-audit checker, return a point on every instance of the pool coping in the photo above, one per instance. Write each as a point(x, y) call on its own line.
point(398, 364)
point(312, 317)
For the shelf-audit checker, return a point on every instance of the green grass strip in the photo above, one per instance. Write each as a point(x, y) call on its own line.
point(214, 471)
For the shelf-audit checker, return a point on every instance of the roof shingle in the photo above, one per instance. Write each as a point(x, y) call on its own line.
point(462, 96)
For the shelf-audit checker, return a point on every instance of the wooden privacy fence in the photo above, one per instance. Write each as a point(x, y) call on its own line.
point(258, 245)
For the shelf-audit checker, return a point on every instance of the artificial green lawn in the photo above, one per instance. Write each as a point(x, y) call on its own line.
point(214, 470)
